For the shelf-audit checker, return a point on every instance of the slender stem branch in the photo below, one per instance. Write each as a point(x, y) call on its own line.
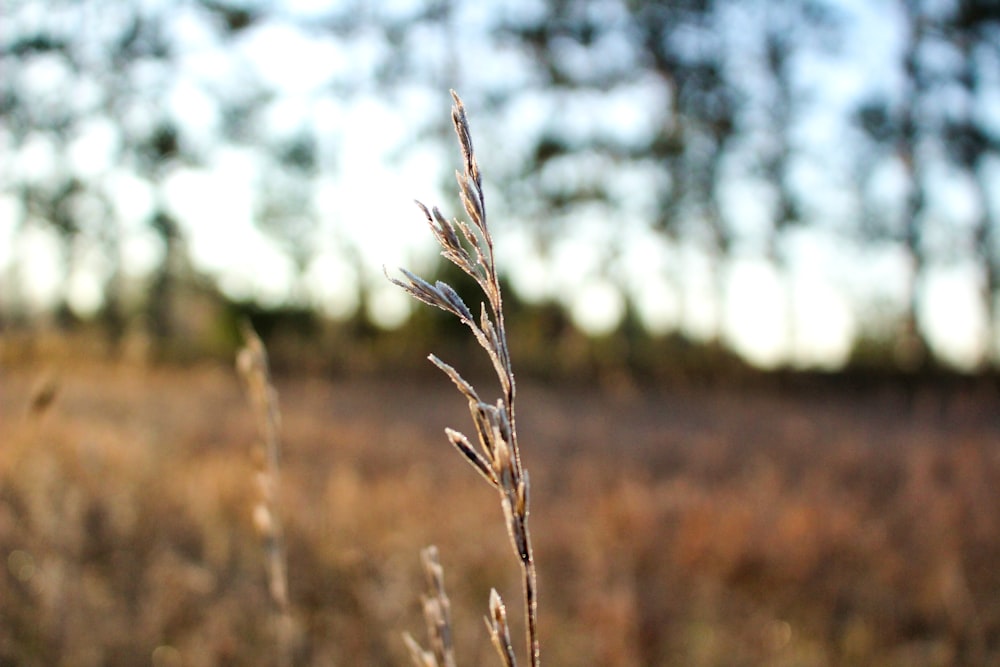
point(470, 247)
point(531, 608)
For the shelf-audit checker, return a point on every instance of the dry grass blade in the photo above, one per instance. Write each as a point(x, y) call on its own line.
point(418, 655)
point(437, 616)
point(252, 364)
point(477, 460)
point(437, 609)
point(499, 631)
point(43, 395)
point(469, 246)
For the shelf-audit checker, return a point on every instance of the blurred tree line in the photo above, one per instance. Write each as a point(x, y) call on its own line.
point(625, 111)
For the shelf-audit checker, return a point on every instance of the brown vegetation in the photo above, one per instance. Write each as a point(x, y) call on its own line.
point(670, 528)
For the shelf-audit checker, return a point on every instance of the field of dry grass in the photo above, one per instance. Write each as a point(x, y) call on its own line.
point(696, 527)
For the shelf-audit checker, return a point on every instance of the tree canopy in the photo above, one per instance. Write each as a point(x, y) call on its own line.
point(663, 152)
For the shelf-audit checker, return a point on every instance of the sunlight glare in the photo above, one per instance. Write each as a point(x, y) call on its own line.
point(824, 328)
point(597, 307)
point(388, 306)
point(333, 284)
point(957, 324)
point(755, 313)
point(40, 269)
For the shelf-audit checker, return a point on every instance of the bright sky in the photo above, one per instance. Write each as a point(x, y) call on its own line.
point(368, 201)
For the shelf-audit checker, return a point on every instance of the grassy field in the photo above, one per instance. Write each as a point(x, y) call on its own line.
point(697, 527)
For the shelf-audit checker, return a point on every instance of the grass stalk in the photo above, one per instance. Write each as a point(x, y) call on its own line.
point(469, 245)
point(437, 615)
point(253, 367)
